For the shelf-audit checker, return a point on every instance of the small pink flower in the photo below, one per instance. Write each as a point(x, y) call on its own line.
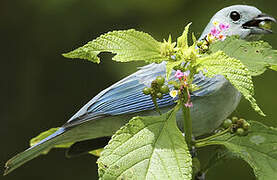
point(223, 27)
point(179, 74)
point(189, 104)
point(214, 31)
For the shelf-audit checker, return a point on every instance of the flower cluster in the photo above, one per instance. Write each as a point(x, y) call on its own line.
point(183, 84)
point(217, 32)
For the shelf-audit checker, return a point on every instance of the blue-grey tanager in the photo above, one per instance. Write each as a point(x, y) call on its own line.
point(114, 106)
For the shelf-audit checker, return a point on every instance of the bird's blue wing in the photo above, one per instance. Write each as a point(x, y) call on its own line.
point(126, 96)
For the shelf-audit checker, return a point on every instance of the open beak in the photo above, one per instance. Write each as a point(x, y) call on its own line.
point(260, 24)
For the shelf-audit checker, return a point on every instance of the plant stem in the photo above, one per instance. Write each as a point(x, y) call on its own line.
point(154, 99)
point(212, 136)
point(187, 125)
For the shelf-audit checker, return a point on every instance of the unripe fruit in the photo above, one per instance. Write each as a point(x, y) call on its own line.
point(240, 122)
point(147, 90)
point(235, 119)
point(160, 80)
point(246, 125)
point(227, 123)
point(240, 132)
point(159, 95)
point(164, 89)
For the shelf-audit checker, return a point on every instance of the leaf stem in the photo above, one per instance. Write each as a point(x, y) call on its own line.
point(154, 99)
point(213, 136)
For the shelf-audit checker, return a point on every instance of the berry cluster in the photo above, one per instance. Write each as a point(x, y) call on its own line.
point(236, 125)
point(157, 89)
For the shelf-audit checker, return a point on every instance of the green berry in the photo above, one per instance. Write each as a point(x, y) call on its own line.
point(227, 123)
point(240, 122)
point(160, 80)
point(159, 95)
point(240, 132)
point(235, 119)
point(147, 90)
point(245, 125)
point(154, 84)
point(164, 89)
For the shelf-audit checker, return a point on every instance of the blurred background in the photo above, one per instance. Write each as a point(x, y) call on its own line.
point(41, 89)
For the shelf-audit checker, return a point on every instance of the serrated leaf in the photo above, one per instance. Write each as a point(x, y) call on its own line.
point(147, 148)
point(257, 56)
point(258, 149)
point(182, 41)
point(234, 71)
point(128, 45)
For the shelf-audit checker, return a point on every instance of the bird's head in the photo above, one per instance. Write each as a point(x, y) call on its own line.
point(245, 21)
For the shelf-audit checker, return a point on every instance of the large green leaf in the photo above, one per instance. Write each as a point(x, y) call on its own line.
point(128, 45)
point(258, 149)
point(233, 70)
point(147, 148)
point(257, 56)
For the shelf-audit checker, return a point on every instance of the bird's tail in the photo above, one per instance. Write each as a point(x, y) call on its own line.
point(33, 151)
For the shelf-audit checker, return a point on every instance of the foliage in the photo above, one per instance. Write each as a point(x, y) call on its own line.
point(234, 71)
point(147, 148)
point(258, 149)
point(257, 56)
point(128, 45)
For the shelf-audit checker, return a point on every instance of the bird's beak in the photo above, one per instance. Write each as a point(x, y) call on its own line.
point(260, 24)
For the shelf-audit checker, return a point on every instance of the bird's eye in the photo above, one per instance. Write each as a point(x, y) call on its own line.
point(235, 16)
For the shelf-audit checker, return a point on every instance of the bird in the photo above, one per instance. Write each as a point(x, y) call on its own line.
point(113, 107)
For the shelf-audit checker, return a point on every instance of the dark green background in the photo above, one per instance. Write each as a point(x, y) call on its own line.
point(40, 89)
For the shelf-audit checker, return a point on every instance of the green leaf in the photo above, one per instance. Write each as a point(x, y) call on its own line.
point(45, 134)
point(147, 148)
point(234, 71)
point(182, 45)
point(96, 152)
point(128, 45)
point(257, 56)
point(258, 149)
point(274, 67)
point(182, 41)
point(169, 67)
